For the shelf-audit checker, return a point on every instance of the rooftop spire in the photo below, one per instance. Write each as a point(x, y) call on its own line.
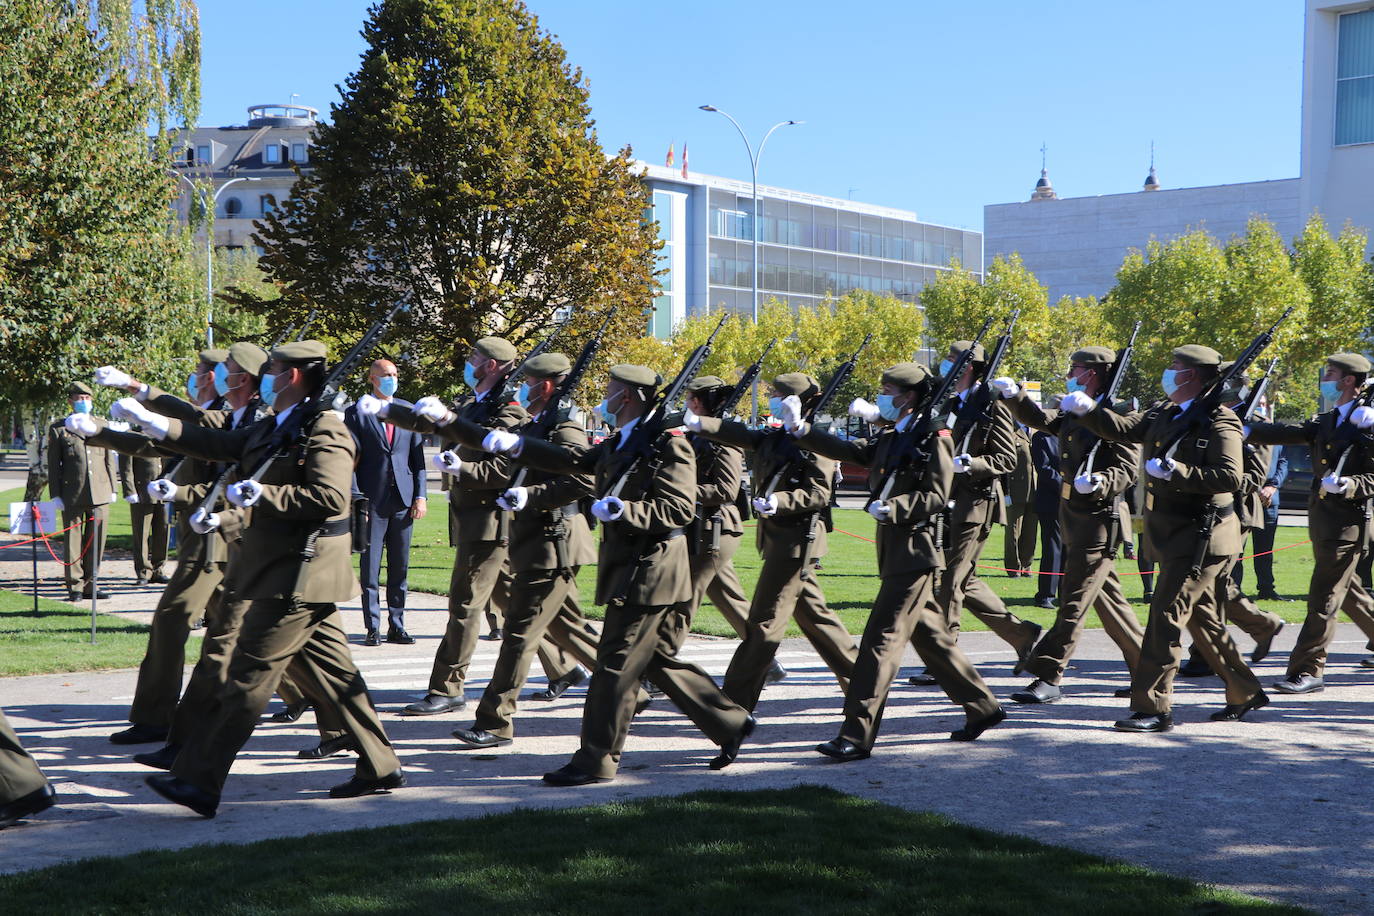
point(1151, 180)
point(1043, 189)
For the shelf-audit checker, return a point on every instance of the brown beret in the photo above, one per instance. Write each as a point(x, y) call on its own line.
point(706, 383)
point(957, 349)
point(798, 383)
point(638, 376)
point(906, 375)
point(300, 351)
point(249, 356)
point(1353, 363)
point(1197, 355)
point(548, 365)
point(1094, 356)
point(214, 356)
point(76, 388)
point(497, 348)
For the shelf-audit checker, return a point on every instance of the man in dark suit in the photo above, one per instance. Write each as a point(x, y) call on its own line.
point(390, 473)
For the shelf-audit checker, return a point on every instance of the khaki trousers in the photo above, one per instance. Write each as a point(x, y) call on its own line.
point(1335, 587)
point(1089, 582)
point(786, 587)
point(82, 545)
point(1238, 608)
point(1018, 536)
point(19, 775)
point(633, 646)
point(274, 632)
point(903, 612)
point(1185, 601)
point(192, 593)
point(714, 577)
point(478, 568)
point(150, 537)
point(960, 588)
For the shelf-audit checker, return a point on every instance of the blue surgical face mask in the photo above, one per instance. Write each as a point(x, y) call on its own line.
point(775, 406)
point(522, 395)
point(81, 406)
point(1329, 389)
point(607, 414)
point(221, 379)
point(191, 387)
point(267, 389)
point(1169, 381)
point(945, 366)
point(387, 385)
point(886, 409)
point(470, 376)
point(1072, 384)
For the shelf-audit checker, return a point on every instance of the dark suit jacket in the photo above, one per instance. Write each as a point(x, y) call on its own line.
point(1278, 473)
point(1048, 481)
point(395, 470)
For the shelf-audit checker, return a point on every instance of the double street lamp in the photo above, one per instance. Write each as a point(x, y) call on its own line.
point(209, 207)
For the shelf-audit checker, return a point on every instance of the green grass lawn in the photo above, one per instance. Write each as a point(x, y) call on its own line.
point(801, 850)
point(59, 638)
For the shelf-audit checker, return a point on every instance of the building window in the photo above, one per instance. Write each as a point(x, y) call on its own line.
point(1355, 79)
point(203, 155)
point(271, 154)
point(269, 204)
point(298, 152)
point(233, 208)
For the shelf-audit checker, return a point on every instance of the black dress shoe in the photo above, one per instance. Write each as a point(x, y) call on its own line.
point(1262, 646)
point(1023, 654)
point(139, 734)
point(183, 793)
point(479, 738)
point(922, 680)
point(100, 595)
point(1046, 601)
point(330, 748)
point(73, 596)
point(1147, 597)
point(1038, 691)
point(1271, 596)
point(1146, 722)
point(291, 712)
point(843, 750)
point(494, 635)
point(1234, 712)
point(1300, 683)
point(373, 638)
point(973, 728)
point(1122, 693)
point(366, 785)
point(730, 749)
point(1196, 666)
point(400, 637)
point(776, 673)
point(433, 704)
point(38, 800)
point(159, 578)
point(161, 759)
point(569, 776)
point(559, 686)
point(140, 580)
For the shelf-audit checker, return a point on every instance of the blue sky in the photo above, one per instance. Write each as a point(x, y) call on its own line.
point(934, 107)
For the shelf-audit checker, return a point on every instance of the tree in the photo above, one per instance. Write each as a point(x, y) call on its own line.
point(462, 166)
point(957, 304)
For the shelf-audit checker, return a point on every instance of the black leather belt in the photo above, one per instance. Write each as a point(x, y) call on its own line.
point(329, 529)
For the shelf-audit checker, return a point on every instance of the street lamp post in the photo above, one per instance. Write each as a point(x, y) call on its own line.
point(209, 207)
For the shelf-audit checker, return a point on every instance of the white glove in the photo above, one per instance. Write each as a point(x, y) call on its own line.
point(245, 493)
point(130, 409)
point(118, 426)
point(162, 490)
point(203, 522)
point(1077, 403)
point(1006, 386)
point(962, 463)
point(691, 421)
point(1163, 468)
point(864, 410)
point(111, 377)
point(1362, 416)
point(608, 508)
point(766, 506)
point(498, 442)
point(515, 498)
point(1333, 484)
point(431, 408)
point(1087, 483)
point(81, 424)
point(448, 462)
point(880, 510)
point(790, 412)
point(368, 406)
point(132, 499)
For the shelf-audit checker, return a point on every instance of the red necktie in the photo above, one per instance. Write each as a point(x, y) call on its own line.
point(390, 433)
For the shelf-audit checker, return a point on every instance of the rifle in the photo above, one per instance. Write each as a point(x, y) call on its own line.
point(981, 398)
point(751, 374)
point(1115, 376)
point(1251, 402)
point(1363, 399)
point(486, 409)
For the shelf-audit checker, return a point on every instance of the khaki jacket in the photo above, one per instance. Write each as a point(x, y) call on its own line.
point(552, 513)
point(992, 446)
point(81, 476)
point(1330, 517)
point(720, 472)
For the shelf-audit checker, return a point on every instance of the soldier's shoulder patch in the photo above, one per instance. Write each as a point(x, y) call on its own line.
point(947, 433)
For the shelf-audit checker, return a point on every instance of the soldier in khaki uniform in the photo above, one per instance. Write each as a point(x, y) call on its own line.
point(642, 574)
point(82, 482)
point(1018, 535)
point(1089, 524)
point(24, 790)
point(147, 516)
point(908, 560)
point(1202, 475)
point(296, 566)
point(792, 497)
point(1338, 514)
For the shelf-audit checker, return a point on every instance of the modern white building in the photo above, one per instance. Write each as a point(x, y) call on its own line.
point(1075, 245)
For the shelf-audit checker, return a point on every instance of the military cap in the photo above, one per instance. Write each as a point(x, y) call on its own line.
point(959, 346)
point(706, 383)
point(1353, 363)
point(1197, 355)
point(300, 351)
point(497, 348)
point(1225, 366)
point(798, 383)
point(907, 375)
point(249, 357)
point(1094, 356)
point(548, 365)
point(214, 356)
point(76, 388)
point(638, 376)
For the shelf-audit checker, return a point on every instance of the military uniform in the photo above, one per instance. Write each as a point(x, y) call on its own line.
point(1018, 537)
point(24, 790)
point(147, 516)
point(85, 482)
point(790, 541)
point(1236, 606)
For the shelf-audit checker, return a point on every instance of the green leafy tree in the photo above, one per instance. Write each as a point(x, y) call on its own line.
point(957, 304)
point(1341, 309)
point(462, 166)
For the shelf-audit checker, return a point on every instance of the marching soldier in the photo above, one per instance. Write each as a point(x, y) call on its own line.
point(1339, 514)
point(1018, 541)
point(82, 483)
point(24, 790)
point(1198, 479)
point(1089, 525)
point(793, 495)
point(642, 574)
point(296, 567)
point(147, 516)
point(908, 559)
